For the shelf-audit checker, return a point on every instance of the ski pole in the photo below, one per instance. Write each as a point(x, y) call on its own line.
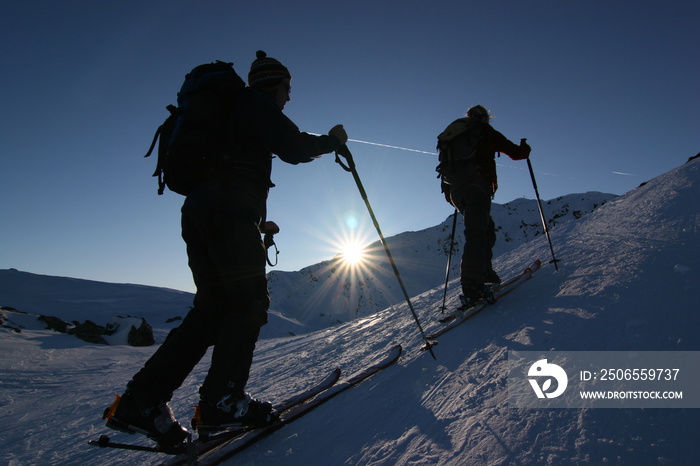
point(449, 258)
point(539, 205)
point(350, 167)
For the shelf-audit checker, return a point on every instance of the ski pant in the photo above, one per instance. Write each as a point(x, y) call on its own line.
point(473, 200)
point(227, 259)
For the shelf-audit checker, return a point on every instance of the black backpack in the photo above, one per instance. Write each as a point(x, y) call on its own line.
point(192, 145)
point(457, 147)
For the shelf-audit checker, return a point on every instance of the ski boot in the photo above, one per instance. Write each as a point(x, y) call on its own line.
point(156, 422)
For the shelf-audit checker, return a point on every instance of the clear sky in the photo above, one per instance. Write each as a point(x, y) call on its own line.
point(605, 91)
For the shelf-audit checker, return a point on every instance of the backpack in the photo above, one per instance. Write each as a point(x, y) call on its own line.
point(192, 140)
point(457, 146)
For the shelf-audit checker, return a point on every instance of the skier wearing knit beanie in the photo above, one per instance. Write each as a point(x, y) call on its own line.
point(222, 222)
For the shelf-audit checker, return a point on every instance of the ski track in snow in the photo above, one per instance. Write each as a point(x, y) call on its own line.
point(629, 279)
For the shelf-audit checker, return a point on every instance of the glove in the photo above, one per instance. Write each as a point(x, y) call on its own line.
point(271, 229)
point(524, 149)
point(339, 132)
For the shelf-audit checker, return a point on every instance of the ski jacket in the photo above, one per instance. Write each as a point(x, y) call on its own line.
point(491, 142)
point(258, 129)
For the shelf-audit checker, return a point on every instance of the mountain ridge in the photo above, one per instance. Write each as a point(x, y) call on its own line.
point(317, 296)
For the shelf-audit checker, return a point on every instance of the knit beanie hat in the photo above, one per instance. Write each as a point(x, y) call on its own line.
point(478, 111)
point(266, 72)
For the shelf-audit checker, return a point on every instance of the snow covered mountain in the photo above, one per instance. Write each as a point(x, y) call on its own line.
point(72, 301)
point(320, 295)
point(628, 280)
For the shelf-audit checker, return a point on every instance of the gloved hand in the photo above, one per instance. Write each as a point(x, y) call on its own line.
point(339, 132)
point(271, 229)
point(524, 148)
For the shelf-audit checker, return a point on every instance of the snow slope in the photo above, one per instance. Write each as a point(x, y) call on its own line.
point(629, 279)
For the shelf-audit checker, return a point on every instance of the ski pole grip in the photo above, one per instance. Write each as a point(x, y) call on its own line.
point(523, 142)
point(345, 152)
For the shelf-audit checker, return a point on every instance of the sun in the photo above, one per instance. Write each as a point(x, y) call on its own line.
point(353, 253)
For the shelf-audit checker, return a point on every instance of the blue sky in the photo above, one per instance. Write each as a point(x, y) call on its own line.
point(605, 91)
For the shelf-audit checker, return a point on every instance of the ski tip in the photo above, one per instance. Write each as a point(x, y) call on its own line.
point(394, 353)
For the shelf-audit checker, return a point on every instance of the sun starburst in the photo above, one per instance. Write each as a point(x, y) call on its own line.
point(352, 252)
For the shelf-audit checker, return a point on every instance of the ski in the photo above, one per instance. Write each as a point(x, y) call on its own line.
point(228, 449)
point(459, 316)
point(192, 449)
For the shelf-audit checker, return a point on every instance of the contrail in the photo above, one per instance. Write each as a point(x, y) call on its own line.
point(392, 147)
point(386, 145)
